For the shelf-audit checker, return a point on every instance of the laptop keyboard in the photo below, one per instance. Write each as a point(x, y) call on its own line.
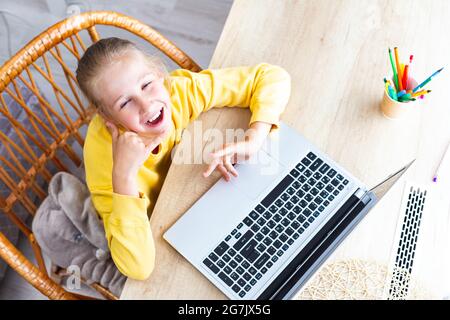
point(264, 235)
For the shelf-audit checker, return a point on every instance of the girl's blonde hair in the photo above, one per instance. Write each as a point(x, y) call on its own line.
point(101, 54)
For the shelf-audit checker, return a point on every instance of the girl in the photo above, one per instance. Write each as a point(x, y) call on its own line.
point(141, 111)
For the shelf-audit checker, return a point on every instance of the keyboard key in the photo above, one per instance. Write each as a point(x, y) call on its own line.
point(335, 182)
point(296, 210)
point(261, 261)
point(306, 161)
point(213, 257)
point(283, 237)
point(285, 222)
point(249, 248)
point(273, 208)
point(307, 212)
point(345, 182)
point(259, 208)
point(279, 203)
point(225, 279)
point(261, 221)
point(316, 213)
point(273, 235)
point(234, 276)
point(247, 276)
point(278, 190)
point(221, 248)
point(318, 200)
point(317, 176)
point(300, 193)
point(312, 206)
point(329, 188)
point(236, 288)
point(302, 179)
point(233, 264)
point(265, 230)
point(331, 198)
point(269, 264)
point(301, 230)
point(296, 185)
point(267, 214)
point(311, 156)
point(247, 288)
point(324, 168)
point(311, 219)
point(300, 167)
point(255, 227)
point(340, 177)
point(253, 256)
point(233, 232)
point(238, 235)
point(306, 225)
point(303, 203)
point(280, 253)
point(288, 205)
point(239, 225)
point(290, 191)
point(331, 173)
point(261, 247)
point(285, 247)
point(291, 216)
point(240, 270)
point(228, 238)
point(301, 218)
point(341, 187)
point(227, 270)
point(274, 258)
point(294, 173)
point(263, 270)
point(295, 236)
point(253, 282)
point(259, 236)
point(316, 164)
point(290, 242)
point(248, 221)
point(295, 225)
point(221, 264)
point(312, 181)
point(242, 294)
point(283, 211)
point(258, 276)
point(242, 240)
point(307, 173)
point(279, 228)
point(277, 244)
point(325, 179)
point(254, 215)
point(271, 250)
point(252, 271)
point(242, 282)
point(211, 265)
point(284, 197)
point(245, 264)
point(267, 241)
point(306, 187)
point(289, 231)
point(277, 218)
point(335, 192)
point(226, 258)
point(320, 185)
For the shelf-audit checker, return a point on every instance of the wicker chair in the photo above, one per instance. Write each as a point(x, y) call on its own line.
point(36, 157)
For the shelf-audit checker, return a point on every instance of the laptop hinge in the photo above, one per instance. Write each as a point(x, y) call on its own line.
point(309, 259)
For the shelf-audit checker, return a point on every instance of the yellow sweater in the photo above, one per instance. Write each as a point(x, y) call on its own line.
point(264, 88)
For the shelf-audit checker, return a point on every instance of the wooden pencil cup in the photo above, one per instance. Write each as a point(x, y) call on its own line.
point(393, 109)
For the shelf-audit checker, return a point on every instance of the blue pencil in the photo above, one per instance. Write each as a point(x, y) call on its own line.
point(426, 81)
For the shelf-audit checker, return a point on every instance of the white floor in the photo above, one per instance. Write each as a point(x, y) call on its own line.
point(193, 25)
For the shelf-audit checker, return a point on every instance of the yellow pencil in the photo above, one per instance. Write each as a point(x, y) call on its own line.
point(399, 70)
point(420, 93)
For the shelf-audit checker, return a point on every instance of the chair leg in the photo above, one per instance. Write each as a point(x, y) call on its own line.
point(16, 260)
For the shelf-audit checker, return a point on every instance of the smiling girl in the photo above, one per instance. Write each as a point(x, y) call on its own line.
point(141, 112)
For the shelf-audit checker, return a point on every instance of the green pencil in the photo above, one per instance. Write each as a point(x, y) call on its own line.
point(394, 70)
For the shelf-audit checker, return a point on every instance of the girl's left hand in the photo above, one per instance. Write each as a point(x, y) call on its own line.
point(231, 153)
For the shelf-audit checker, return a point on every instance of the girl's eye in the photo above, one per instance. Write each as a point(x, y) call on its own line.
point(145, 85)
point(124, 104)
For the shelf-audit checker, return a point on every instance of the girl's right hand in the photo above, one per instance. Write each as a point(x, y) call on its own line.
point(129, 151)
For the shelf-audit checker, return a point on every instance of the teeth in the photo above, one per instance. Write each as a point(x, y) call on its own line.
point(156, 116)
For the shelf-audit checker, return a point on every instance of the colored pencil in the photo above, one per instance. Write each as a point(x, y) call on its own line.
point(394, 70)
point(427, 80)
point(399, 70)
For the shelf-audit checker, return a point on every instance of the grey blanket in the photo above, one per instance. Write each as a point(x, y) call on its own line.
point(70, 232)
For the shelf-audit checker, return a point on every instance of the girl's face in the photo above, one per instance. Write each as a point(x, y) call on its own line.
point(134, 97)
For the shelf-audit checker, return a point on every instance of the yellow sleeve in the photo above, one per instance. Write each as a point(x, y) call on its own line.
point(127, 227)
point(264, 88)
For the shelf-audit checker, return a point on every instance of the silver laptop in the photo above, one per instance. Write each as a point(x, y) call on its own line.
point(262, 235)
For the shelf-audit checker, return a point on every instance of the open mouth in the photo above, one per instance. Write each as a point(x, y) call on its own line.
point(156, 119)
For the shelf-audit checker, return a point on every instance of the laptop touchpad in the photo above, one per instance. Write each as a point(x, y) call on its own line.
point(257, 174)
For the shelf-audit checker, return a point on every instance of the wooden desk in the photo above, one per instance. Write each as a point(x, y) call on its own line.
point(336, 53)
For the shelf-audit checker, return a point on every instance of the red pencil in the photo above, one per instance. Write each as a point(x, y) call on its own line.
point(405, 77)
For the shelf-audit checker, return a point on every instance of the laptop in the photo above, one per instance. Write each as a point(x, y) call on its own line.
point(264, 234)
